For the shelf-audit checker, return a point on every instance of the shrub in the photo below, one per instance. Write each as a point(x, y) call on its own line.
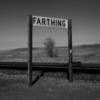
point(49, 44)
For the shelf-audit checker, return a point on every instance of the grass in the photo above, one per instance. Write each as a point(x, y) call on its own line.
point(49, 87)
point(57, 75)
point(85, 54)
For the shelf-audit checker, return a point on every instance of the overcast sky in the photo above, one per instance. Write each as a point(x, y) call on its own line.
point(85, 15)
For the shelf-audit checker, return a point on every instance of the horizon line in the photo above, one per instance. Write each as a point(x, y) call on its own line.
point(55, 46)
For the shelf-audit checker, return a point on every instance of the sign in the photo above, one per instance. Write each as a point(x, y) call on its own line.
point(49, 22)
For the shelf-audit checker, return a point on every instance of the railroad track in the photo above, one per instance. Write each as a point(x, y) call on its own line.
point(49, 66)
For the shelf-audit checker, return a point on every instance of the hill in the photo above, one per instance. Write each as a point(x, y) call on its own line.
point(83, 53)
point(13, 84)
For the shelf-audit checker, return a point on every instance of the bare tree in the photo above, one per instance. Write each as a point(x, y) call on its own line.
point(49, 44)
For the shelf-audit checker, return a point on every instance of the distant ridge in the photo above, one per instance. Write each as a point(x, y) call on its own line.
point(38, 48)
point(89, 53)
point(87, 45)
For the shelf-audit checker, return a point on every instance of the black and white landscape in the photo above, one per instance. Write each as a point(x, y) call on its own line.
point(83, 53)
point(14, 31)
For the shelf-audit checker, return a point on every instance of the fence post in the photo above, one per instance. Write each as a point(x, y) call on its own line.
point(30, 52)
point(70, 51)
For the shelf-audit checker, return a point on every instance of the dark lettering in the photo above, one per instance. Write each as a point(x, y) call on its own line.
point(56, 23)
point(48, 22)
point(64, 23)
point(38, 21)
point(53, 23)
point(34, 20)
point(59, 23)
point(43, 21)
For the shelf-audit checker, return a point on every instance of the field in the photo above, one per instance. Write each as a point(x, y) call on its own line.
point(50, 86)
point(84, 53)
point(15, 88)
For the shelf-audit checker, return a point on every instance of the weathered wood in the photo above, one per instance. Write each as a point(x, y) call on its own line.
point(70, 51)
point(30, 51)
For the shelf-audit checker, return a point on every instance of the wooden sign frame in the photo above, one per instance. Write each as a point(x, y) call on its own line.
point(70, 50)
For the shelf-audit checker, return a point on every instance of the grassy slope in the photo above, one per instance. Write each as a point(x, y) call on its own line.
point(49, 88)
point(85, 53)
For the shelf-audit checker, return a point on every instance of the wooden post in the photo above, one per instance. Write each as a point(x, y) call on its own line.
point(70, 51)
point(30, 52)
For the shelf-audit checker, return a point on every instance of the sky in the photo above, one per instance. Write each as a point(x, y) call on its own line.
point(85, 15)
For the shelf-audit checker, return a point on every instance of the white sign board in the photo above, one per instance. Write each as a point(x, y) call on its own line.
point(49, 22)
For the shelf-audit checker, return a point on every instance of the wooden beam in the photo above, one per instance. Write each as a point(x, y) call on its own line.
point(30, 52)
point(70, 51)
